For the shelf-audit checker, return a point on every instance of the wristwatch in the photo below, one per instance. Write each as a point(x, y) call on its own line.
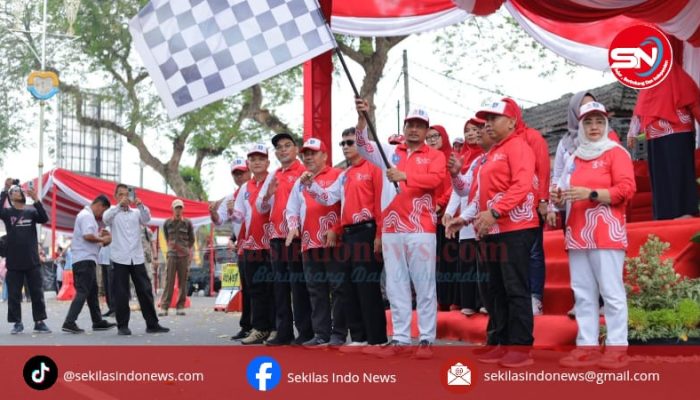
point(593, 196)
point(495, 213)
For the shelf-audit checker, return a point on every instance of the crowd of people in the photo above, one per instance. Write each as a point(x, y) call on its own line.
point(427, 224)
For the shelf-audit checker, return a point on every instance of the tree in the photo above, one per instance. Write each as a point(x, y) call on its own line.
point(103, 53)
point(372, 55)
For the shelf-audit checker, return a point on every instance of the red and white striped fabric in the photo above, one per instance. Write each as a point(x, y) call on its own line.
point(403, 17)
point(75, 191)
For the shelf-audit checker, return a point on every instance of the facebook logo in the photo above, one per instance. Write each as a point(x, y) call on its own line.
point(263, 373)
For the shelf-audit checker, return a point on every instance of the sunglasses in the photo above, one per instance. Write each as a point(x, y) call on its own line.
point(348, 143)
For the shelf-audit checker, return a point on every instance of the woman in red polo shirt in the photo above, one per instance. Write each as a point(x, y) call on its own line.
point(667, 113)
point(597, 183)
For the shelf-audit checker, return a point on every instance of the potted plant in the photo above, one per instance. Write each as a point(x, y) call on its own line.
point(664, 307)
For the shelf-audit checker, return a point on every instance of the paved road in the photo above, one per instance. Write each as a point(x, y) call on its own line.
point(201, 326)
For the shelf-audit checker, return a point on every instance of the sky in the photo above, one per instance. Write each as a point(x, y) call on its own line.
point(448, 101)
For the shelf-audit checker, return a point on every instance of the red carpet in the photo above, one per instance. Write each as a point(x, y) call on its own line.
point(555, 328)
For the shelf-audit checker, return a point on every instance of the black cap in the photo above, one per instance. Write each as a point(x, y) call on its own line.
point(283, 135)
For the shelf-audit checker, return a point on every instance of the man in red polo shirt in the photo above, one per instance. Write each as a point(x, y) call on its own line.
point(359, 190)
point(285, 260)
point(256, 248)
point(319, 228)
point(240, 174)
point(408, 227)
point(507, 223)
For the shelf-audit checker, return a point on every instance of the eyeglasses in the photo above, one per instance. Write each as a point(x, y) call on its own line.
point(433, 137)
point(348, 143)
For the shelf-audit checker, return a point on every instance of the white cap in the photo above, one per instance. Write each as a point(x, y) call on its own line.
point(314, 144)
point(257, 148)
point(592, 107)
point(239, 164)
point(178, 203)
point(418, 113)
point(459, 140)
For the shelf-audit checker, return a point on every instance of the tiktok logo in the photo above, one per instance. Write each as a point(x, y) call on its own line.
point(40, 372)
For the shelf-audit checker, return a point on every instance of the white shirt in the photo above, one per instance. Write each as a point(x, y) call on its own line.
point(126, 233)
point(103, 256)
point(85, 224)
point(225, 216)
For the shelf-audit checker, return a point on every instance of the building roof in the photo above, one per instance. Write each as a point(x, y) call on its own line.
point(551, 118)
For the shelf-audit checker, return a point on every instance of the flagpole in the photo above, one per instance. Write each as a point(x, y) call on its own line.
point(365, 114)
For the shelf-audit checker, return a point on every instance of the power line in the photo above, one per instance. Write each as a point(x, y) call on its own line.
point(494, 91)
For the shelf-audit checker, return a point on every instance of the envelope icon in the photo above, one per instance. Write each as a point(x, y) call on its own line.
point(459, 375)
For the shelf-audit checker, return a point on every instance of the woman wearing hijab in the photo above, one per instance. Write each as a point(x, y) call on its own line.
point(447, 249)
point(666, 113)
point(471, 149)
point(597, 182)
point(568, 143)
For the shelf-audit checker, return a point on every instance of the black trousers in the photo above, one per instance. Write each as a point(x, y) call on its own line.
point(85, 280)
point(468, 276)
point(245, 323)
point(260, 290)
point(507, 256)
point(328, 283)
point(363, 303)
point(142, 285)
point(290, 291)
point(447, 264)
point(107, 284)
point(15, 280)
point(672, 174)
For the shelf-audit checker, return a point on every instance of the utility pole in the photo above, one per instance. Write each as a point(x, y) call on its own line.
point(398, 116)
point(405, 83)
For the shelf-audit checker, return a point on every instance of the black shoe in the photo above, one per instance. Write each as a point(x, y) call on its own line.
point(243, 333)
point(336, 341)
point(71, 327)
point(301, 340)
point(157, 329)
point(124, 332)
point(316, 342)
point(103, 325)
point(18, 328)
point(278, 342)
point(109, 313)
point(40, 327)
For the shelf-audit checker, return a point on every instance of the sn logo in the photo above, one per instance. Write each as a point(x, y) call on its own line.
point(632, 57)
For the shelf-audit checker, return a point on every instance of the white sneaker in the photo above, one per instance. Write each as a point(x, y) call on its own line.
point(467, 311)
point(483, 311)
point(536, 306)
point(352, 347)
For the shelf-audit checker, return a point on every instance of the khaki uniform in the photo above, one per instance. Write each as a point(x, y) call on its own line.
point(180, 237)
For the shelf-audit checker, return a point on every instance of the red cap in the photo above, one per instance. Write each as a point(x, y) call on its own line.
point(396, 139)
point(314, 144)
point(498, 108)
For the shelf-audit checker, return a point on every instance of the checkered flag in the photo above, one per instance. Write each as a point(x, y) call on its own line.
point(200, 51)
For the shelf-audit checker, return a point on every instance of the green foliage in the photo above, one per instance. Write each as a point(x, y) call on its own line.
point(193, 180)
point(102, 56)
point(689, 313)
point(649, 280)
point(661, 303)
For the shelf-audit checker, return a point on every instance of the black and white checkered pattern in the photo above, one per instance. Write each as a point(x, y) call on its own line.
point(199, 51)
